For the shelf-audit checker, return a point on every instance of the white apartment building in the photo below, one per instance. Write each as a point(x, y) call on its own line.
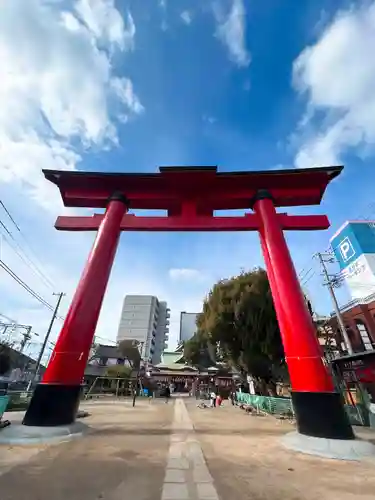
point(188, 325)
point(145, 319)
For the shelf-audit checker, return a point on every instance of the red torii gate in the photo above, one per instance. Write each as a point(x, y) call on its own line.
point(191, 195)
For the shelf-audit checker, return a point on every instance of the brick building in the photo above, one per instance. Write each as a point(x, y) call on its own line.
point(359, 320)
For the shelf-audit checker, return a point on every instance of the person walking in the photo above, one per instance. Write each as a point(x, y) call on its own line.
point(167, 394)
point(213, 399)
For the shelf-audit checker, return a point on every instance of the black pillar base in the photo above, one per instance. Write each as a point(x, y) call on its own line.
point(52, 405)
point(321, 414)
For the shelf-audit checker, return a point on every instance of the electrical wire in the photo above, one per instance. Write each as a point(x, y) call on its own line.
point(107, 340)
point(27, 261)
point(33, 265)
point(308, 279)
point(304, 275)
point(8, 214)
point(8, 270)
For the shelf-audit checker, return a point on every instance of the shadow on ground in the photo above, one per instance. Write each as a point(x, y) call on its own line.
point(165, 431)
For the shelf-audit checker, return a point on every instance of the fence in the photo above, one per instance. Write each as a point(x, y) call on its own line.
point(18, 400)
point(273, 406)
point(358, 414)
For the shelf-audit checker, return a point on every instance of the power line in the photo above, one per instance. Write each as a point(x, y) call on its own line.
point(25, 259)
point(33, 264)
point(308, 279)
point(107, 340)
point(303, 275)
point(25, 286)
point(10, 217)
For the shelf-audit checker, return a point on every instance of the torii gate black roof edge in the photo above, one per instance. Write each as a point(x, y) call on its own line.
point(218, 190)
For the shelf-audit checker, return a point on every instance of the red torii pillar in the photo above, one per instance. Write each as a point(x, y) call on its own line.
point(55, 400)
point(318, 407)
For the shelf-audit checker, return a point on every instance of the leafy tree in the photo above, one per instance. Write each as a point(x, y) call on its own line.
point(196, 350)
point(239, 319)
point(118, 371)
point(130, 350)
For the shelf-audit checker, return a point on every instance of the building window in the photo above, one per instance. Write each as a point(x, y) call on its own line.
point(364, 336)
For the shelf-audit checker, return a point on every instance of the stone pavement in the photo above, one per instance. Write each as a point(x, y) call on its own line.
point(187, 476)
point(159, 451)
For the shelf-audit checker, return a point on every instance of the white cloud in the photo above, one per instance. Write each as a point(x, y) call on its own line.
point(338, 76)
point(185, 274)
point(231, 30)
point(57, 85)
point(163, 7)
point(209, 119)
point(106, 23)
point(123, 88)
point(187, 17)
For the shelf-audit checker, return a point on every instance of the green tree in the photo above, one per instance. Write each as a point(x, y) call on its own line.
point(118, 371)
point(130, 350)
point(196, 350)
point(239, 319)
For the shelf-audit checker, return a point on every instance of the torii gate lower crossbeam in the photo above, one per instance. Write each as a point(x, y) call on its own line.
point(190, 197)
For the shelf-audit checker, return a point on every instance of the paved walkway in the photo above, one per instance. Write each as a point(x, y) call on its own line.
point(123, 457)
point(187, 476)
point(159, 451)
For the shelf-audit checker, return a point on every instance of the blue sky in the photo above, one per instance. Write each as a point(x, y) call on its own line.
point(128, 86)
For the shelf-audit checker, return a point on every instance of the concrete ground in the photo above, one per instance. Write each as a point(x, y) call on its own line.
point(123, 456)
point(247, 461)
point(154, 452)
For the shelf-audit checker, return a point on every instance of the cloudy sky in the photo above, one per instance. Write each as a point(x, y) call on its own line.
point(121, 85)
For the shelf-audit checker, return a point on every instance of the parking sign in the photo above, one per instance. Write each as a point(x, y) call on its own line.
point(346, 249)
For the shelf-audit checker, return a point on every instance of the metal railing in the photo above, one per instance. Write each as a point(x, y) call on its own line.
point(358, 414)
point(270, 405)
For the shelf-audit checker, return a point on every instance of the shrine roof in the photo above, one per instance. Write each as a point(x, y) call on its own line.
point(212, 190)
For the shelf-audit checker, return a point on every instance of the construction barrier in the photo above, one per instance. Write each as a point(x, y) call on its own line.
point(358, 414)
point(271, 405)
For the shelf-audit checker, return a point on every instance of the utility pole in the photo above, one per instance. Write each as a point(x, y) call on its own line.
point(39, 360)
point(340, 321)
point(138, 372)
point(26, 337)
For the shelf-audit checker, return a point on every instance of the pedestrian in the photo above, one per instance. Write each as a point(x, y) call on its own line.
point(218, 400)
point(213, 399)
point(167, 394)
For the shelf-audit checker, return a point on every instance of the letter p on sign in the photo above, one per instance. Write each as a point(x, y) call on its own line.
point(346, 249)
